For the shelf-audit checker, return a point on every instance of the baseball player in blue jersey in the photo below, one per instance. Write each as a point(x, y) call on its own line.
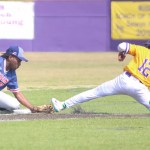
point(9, 62)
point(134, 81)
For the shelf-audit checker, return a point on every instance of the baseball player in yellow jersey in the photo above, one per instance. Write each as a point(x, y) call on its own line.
point(134, 81)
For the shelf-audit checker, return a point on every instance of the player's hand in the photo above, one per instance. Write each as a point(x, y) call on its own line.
point(121, 56)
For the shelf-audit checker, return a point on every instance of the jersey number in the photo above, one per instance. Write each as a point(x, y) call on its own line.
point(143, 69)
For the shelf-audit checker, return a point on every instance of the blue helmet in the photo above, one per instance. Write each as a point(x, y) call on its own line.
point(147, 44)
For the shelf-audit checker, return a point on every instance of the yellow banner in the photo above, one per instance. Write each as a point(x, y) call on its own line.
point(130, 20)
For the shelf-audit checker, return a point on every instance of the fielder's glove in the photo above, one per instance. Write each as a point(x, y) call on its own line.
point(43, 109)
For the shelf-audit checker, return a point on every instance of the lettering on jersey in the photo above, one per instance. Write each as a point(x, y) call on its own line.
point(145, 68)
point(3, 80)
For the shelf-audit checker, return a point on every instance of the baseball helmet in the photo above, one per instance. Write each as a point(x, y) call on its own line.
point(147, 44)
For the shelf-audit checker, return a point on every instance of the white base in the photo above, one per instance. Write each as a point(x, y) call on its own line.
point(22, 111)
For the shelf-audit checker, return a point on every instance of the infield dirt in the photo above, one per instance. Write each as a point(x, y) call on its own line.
point(43, 116)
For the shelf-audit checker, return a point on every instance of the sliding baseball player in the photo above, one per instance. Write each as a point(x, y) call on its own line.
point(134, 81)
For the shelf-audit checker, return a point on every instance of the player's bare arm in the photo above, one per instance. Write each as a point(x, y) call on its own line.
point(20, 97)
point(42, 108)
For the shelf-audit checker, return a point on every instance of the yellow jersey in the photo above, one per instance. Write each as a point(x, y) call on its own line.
point(139, 66)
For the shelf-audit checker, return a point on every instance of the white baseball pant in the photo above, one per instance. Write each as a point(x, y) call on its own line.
point(123, 84)
point(8, 102)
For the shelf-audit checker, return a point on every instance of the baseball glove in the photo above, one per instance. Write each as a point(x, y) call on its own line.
point(43, 109)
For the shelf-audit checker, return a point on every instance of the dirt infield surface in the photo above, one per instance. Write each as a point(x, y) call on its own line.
point(42, 116)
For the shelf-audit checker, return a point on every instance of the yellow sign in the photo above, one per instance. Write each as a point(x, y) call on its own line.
point(130, 20)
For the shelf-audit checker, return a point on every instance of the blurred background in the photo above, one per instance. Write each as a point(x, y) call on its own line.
point(73, 25)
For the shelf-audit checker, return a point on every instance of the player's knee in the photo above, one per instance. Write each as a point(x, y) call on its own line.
point(146, 104)
point(14, 105)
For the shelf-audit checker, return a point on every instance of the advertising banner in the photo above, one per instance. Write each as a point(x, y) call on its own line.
point(16, 20)
point(130, 20)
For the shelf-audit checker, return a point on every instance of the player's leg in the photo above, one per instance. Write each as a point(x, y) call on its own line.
point(8, 102)
point(134, 88)
point(111, 87)
point(105, 89)
point(121, 85)
point(142, 95)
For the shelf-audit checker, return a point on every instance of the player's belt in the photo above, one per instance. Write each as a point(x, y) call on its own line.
point(128, 74)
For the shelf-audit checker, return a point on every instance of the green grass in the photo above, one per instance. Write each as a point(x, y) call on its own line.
point(75, 134)
point(67, 70)
point(63, 75)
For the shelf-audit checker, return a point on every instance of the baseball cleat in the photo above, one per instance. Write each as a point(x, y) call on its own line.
point(58, 106)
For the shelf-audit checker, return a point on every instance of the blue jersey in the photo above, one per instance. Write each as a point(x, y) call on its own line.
point(7, 78)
